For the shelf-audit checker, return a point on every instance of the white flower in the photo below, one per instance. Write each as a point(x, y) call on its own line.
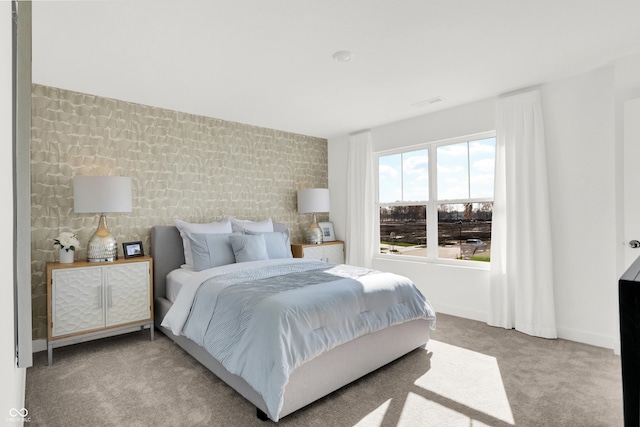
point(67, 241)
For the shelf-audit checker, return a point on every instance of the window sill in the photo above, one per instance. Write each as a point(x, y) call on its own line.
point(473, 265)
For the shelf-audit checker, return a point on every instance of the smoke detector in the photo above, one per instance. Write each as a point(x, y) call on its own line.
point(342, 56)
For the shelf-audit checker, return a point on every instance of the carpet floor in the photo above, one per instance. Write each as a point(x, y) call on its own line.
point(470, 374)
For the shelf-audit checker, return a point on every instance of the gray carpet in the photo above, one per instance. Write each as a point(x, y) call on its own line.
point(469, 375)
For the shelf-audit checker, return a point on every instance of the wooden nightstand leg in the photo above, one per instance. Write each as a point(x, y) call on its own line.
point(49, 354)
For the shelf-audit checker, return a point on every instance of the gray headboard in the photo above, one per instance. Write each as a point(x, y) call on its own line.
point(168, 254)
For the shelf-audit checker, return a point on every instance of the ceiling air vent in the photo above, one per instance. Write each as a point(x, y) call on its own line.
point(427, 102)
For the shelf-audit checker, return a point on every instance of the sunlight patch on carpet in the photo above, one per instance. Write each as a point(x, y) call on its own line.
point(467, 378)
point(419, 411)
point(375, 417)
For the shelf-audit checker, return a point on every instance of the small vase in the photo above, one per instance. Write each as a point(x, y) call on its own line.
point(66, 256)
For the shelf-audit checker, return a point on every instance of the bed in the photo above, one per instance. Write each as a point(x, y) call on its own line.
point(313, 379)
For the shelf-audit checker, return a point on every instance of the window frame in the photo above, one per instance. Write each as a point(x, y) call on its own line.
point(431, 204)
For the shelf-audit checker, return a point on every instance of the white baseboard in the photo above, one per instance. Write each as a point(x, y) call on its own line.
point(589, 338)
point(564, 333)
point(458, 311)
point(38, 345)
point(616, 347)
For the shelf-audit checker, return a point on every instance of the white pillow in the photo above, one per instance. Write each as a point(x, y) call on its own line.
point(184, 228)
point(264, 226)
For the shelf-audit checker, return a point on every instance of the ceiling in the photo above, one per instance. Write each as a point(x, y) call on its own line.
point(269, 63)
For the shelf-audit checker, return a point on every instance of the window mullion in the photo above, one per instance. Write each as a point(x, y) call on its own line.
point(402, 177)
point(468, 172)
point(432, 207)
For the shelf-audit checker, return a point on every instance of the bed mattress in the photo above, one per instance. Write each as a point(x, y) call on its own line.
point(176, 279)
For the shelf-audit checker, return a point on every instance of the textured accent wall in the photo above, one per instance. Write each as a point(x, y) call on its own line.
point(182, 166)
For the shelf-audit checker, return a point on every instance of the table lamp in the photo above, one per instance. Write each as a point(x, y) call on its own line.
point(313, 200)
point(101, 194)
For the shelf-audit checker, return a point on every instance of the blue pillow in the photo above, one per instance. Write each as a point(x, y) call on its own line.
point(211, 250)
point(248, 247)
point(278, 243)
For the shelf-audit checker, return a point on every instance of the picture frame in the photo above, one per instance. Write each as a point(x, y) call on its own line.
point(328, 235)
point(132, 249)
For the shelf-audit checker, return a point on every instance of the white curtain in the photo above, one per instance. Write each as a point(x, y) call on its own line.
point(521, 279)
point(360, 201)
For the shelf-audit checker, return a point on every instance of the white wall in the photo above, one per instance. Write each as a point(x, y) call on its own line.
point(13, 379)
point(581, 117)
point(579, 123)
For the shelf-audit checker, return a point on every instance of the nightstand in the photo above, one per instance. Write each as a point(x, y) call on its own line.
point(91, 300)
point(331, 252)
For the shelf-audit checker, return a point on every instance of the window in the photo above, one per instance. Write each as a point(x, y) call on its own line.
point(436, 201)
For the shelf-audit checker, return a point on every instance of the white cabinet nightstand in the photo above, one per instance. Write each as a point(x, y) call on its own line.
point(331, 252)
point(88, 300)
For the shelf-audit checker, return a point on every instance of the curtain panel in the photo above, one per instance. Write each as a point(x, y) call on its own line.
point(361, 198)
point(521, 276)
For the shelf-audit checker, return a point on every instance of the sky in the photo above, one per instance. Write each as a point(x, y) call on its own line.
point(464, 170)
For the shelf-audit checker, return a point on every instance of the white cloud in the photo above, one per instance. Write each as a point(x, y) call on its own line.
point(388, 171)
point(454, 150)
point(484, 165)
point(416, 165)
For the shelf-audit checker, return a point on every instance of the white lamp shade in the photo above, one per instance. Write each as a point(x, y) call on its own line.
point(313, 200)
point(101, 194)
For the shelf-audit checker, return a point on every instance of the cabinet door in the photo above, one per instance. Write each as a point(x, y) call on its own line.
point(127, 288)
point(334, 254)
point(314, 252)
point(76, 300)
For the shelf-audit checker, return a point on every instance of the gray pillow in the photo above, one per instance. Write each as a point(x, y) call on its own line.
point(278, 243)
point(211, 250)
point(248, 247)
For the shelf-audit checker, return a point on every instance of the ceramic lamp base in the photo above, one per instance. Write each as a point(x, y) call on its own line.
point(102, 245)
point(314, 233)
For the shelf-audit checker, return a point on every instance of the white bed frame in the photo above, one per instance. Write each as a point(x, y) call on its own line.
point(309, 382)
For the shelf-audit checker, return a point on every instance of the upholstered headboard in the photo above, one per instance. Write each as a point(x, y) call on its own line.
point(168, 254)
